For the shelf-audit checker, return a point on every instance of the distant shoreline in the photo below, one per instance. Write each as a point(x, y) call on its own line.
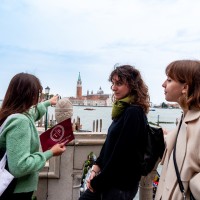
point(151, 109)
point(91, 106)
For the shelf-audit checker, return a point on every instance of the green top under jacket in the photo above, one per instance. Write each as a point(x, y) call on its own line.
point(21, 140)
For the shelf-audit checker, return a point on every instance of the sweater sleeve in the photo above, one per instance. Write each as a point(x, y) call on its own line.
point(20, 144)
point(38, 111)
point(126, 153)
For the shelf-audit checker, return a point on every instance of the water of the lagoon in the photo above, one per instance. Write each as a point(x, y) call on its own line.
point(88, 116)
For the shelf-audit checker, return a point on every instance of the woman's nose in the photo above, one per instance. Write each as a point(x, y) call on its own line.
point(114, 88)
point(164, 84)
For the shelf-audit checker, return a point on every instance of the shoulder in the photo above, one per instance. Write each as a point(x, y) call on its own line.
point(192, 121)
point(134, 112)
point(15, 125)
point(17, 116)
point(192, 115)
point(135, 109)
point(16, 120)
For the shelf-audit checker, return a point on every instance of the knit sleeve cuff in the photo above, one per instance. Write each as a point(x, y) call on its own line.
point(48, 154)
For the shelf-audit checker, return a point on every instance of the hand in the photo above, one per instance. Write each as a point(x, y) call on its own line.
point(54, 99)
point(96, 168)
point(58, 149)
point(92, 175)
point(94, 171)
point(88, 182)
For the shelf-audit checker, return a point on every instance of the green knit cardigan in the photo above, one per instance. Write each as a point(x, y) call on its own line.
point(21, 140)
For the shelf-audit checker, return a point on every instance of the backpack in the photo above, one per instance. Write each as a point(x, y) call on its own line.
point(154, 148)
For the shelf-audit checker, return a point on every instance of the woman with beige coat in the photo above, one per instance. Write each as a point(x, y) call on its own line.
point(182, 86)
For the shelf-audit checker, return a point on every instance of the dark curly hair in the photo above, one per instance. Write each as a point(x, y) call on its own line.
point(130, 75)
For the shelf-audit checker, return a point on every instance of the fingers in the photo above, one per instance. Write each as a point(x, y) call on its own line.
point(54, 99)
point(58, 149)
point(62, 146)
point(89, 186)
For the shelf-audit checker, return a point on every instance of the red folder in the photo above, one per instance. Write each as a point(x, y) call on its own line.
point(59, 133)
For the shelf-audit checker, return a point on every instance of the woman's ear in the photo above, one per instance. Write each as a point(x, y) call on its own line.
point(185, 89)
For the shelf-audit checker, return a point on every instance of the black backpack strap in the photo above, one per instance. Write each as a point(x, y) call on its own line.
point(175, 163)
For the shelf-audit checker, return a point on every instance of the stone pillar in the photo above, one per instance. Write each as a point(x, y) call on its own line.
point(146, 185)
point(63, 110)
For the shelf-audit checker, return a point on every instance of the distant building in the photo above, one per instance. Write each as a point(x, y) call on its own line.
point(90, 99)
point(79, 88)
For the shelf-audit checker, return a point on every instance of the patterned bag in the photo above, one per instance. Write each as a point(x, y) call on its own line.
point(7, 180)
point(5, 177)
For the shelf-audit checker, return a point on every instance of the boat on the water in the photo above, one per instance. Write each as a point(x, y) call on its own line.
point(89, 109)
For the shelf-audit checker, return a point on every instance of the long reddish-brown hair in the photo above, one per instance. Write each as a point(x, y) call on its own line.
point(187, 71)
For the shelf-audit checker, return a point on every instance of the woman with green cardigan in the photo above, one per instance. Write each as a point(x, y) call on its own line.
point(19, 137)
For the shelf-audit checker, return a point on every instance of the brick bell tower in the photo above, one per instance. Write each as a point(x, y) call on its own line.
point(79, 87)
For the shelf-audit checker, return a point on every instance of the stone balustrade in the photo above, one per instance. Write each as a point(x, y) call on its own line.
point(61, 177)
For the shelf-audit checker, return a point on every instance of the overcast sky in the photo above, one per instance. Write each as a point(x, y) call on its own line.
point(57, 39)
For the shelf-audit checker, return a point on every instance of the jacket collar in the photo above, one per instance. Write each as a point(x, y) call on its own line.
point(191, 115)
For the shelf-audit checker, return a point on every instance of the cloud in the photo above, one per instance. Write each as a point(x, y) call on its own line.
point(58, 39)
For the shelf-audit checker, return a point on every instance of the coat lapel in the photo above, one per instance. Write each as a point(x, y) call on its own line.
point(171, 178)
point(181, 145)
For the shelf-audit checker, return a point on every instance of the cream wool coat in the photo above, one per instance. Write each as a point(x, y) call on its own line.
point(187, 157)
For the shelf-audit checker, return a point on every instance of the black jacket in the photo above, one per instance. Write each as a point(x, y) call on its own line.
point(122, 154)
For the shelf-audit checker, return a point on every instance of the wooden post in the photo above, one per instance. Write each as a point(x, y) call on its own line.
point(78, 124)
point(93, 128)
point(74, 125)
point(97, 125)
point(158, 121)
point(51, 121)
point(100, 125)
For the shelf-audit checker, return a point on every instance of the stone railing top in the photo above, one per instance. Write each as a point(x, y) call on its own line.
point(88, 138)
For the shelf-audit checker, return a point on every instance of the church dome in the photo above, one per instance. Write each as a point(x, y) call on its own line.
point(100, 91)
